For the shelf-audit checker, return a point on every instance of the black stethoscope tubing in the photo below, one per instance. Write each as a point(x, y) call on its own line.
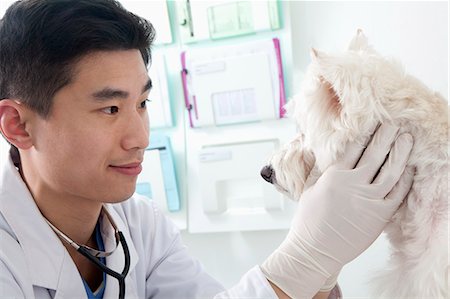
point(119, 276)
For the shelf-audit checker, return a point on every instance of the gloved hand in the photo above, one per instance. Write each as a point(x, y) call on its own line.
point(330, 283)
point(343, 213)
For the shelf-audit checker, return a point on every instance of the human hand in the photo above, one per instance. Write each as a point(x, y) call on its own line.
point(330, 283)
point(343, 213)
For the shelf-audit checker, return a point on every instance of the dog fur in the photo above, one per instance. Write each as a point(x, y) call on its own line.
point(342, 97)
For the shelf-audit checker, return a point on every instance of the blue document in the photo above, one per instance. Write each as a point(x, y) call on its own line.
point(161, 143)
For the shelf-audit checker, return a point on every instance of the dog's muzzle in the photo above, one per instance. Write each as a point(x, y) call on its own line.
point(268, 174)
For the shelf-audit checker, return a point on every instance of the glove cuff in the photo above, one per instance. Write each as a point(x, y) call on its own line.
point(330, 283)
point(294, 277)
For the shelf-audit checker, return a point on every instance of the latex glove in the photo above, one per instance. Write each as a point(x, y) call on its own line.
point(330, 283)
point(343, 213)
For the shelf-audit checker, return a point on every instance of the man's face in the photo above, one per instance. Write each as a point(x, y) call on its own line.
point(93, 142)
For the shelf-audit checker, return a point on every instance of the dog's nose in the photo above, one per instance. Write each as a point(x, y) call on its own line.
point(267, 173)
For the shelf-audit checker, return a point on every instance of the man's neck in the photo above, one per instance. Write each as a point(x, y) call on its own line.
point(75, 216)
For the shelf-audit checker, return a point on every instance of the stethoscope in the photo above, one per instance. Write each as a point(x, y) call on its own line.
point(93, 254)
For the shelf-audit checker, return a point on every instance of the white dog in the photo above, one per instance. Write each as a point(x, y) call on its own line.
point(342, 97)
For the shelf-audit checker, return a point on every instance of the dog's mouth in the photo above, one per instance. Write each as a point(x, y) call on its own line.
point(268, 174)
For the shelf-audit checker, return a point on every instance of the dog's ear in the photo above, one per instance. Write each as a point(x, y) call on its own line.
point(316, 55)
point(360, 42)
point(313, 53)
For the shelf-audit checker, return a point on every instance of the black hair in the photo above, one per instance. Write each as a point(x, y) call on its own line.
point(42, 40)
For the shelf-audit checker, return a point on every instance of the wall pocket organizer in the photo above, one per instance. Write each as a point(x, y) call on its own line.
point(233, 84)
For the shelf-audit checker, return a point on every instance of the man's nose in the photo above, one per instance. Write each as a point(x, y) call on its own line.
point(137, 133)
point(268, 173)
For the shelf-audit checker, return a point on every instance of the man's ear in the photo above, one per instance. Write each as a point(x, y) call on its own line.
point(13, 120)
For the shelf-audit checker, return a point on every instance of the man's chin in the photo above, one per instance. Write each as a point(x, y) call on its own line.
point(118, 197)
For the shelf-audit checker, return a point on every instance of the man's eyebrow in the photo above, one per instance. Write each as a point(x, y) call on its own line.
point(147, 86)
point(108, 93)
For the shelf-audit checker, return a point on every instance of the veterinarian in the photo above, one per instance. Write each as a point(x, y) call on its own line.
point(73, 90)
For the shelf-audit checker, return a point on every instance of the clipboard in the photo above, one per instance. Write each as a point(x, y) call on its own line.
point(233, 84)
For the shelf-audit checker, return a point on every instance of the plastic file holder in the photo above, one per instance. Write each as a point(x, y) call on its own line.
point(216, 19)
point(159, 109)
point(158, 179)
point(225, 190)
point(233, 84)
point(230, 19)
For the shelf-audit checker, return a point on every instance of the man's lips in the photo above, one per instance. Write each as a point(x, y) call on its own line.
point(131, 169)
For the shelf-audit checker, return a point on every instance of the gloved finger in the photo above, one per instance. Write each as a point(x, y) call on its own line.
point(394, 166)
point(376, 152)
point(401, 189)
point(354, 151)
point(387, 207)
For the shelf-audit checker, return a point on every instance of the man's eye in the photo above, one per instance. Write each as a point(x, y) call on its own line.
point(144, 103)
point(111, 110)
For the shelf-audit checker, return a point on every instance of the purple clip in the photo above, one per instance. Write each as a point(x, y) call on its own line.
point(276, 43)
point(185, 87)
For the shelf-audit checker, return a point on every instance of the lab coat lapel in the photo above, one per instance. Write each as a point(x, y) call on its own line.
point(116, 261)
point(70, 284)
point(44, 253)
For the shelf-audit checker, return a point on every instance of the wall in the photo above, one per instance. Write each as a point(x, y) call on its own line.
point(414, 32)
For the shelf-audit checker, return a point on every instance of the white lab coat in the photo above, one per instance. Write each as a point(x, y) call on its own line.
point(35, 264)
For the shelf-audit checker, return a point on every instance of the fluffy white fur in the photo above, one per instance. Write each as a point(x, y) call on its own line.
point(342, 97)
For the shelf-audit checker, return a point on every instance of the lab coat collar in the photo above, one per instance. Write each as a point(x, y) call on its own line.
point(50, 265)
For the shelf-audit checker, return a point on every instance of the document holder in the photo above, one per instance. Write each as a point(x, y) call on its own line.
point(233, 84)
point(158, 179)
